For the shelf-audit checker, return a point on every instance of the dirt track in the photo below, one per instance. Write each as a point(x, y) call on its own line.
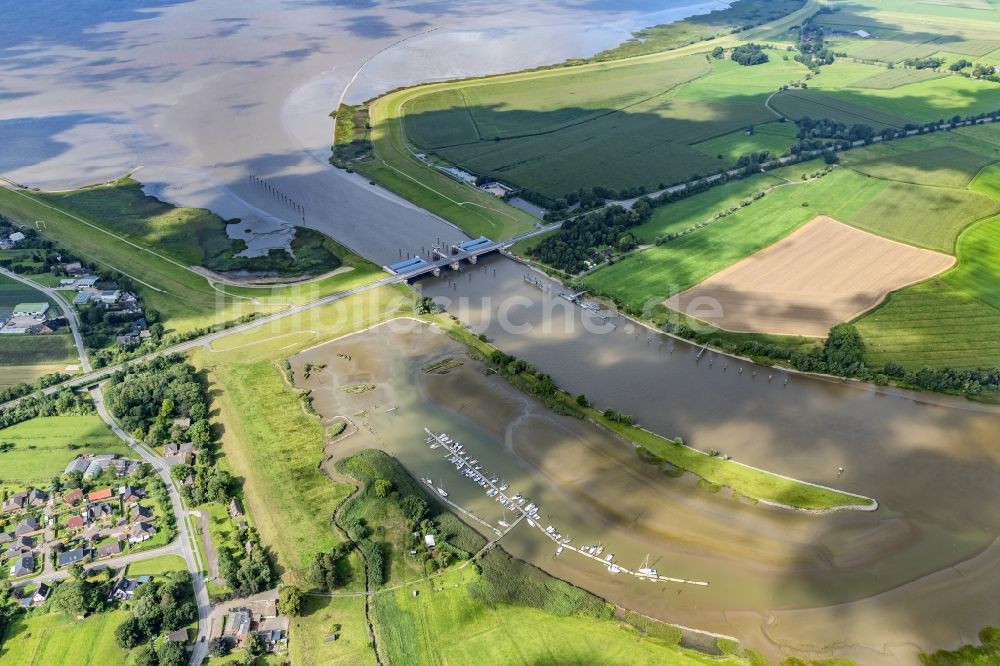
point(824, 273)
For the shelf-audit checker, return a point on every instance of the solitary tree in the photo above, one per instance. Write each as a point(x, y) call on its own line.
point(290, 601)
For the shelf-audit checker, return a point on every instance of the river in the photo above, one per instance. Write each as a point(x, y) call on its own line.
point(917, 572)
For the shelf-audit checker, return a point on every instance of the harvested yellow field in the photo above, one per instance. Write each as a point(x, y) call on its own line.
point(823, 274)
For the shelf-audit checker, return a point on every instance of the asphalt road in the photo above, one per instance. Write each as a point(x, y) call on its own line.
point(184, 541)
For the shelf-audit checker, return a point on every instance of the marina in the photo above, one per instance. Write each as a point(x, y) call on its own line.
point(530, 512)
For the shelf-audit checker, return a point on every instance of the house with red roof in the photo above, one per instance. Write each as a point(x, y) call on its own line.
point(74, 523)
point(98, 495)
point(73, 496)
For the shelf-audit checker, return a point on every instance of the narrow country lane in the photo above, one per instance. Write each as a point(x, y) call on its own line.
point(184, 541)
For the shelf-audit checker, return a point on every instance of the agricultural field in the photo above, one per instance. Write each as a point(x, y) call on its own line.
point(653, 275)
point(773, 137)
point(39, 639)
point(13, 292)
point(561, 130)
point(44, 445)
point(52, 350)
point(27, 374)
point(820, 275)
point(950, 321)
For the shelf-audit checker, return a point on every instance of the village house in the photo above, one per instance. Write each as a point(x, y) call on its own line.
point(73, 496)
point(20, 546)
point(179, 454)
point(22, 566)
point(238, 624)
point(6, 537)
point(75, 523)
point(98, 495)
point(140, 532)
point(15, 502)
point(131, 495)
point(37, 598)
point(96, 512)
point(27, 526)
point(273, 632)
point(140, 512)
point(78, 464)
point(37, 497)
point(110, 550)
point(71, 557)
point(125, 467)
point(235, 509)
point(125, 588)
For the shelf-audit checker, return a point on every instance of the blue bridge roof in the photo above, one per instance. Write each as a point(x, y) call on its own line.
point(474, 244)
point(408, 265)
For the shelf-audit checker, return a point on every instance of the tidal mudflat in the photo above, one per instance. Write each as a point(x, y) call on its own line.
point(200, 95)
point(850, 579)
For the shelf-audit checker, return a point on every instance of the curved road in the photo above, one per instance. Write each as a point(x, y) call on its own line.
point(74, 323)
point(184, 541)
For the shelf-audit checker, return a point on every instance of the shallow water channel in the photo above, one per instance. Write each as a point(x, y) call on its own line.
point(781, 581)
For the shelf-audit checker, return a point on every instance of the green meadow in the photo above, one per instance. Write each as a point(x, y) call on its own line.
point(121, 230)
point(44, 445)
point(949, 321)
point(41, 639)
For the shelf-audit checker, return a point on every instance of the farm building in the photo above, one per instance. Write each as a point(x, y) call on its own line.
point(36, 310)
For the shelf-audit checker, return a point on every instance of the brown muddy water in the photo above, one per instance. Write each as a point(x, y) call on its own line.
point(860, 585)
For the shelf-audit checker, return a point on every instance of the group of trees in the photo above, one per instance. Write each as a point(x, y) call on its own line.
point(811, 46)
point(61, 403)
point(749, 54)
point(250, 569)
point(159, 608)
point(146, 398)
point(209, 483)
point(842, 354)
point(77, 596)
point(327, 570)
point(923, 63)
point(100, 327)
point(585, 237)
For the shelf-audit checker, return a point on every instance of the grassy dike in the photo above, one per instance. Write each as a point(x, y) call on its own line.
point(750, 482)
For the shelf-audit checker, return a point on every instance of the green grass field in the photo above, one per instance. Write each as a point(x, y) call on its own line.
point(774, 137)
point(443, 624)
point(51, 349)
point(193, 236)
point(185, 299)
point(42, 446)
point(648, 277)
point(950, 321)
point(156, 566)
point(292, 503)
point(308, 644)
point(609, 125)
point(42, 639)
point(894, 78)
